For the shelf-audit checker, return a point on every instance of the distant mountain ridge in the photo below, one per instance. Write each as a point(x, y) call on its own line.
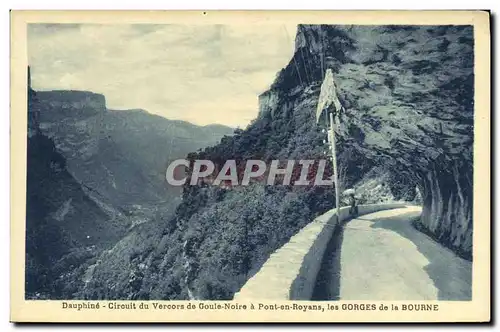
point(121, 154)
point(94, 173)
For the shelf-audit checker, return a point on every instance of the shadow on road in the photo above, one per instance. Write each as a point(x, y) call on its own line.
point(452, 275)
point(327, 286)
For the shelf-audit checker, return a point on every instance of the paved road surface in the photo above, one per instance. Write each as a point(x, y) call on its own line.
point(381, 256)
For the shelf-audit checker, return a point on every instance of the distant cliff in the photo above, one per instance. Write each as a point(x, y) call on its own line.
point(122, 155)
point(94, 175)
point(64, 226)
point(69, 102)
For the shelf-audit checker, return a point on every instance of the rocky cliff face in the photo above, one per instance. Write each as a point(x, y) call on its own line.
point(65, 226)
point(407, 93)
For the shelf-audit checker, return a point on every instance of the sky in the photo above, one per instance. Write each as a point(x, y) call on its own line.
point(203, 74)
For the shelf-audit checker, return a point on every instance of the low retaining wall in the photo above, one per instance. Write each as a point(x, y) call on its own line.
point(290, 272)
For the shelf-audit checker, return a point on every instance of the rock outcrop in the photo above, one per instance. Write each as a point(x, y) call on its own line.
point(408, 95)
point(64, 225)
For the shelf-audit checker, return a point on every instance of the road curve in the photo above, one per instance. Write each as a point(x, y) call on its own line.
point(381, 256)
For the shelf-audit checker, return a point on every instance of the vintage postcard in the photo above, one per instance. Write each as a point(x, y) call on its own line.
point(205, 166)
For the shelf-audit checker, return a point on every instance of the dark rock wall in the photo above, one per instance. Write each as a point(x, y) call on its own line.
point(408, 98)
point(64, 226)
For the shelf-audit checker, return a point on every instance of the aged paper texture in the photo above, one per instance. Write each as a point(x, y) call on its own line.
point(258, 166)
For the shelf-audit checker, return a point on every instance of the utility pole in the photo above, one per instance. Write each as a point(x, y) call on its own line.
point(331, 140)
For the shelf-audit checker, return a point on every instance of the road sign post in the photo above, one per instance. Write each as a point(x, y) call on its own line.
point(329, 103)
point(331, 140)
